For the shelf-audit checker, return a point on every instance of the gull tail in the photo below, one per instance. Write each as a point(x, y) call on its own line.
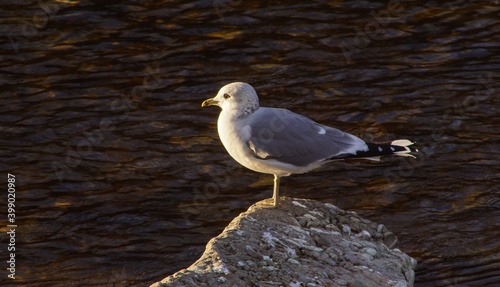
point(397, 147)
point(375, 151)
point(403, 148)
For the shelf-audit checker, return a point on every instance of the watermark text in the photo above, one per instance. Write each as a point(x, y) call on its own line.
point(11, 226)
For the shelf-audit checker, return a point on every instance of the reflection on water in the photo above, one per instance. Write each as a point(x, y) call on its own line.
point(122, 179)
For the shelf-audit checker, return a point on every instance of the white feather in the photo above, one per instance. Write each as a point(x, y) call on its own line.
point(403, 143)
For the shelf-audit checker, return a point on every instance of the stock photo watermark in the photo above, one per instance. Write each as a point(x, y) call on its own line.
point(31, 26)
point(118, 278)
point(203, 194)
point(373, 29)
point(222, 7)
point(11, 226)
point(152, 80)
point(483, 92)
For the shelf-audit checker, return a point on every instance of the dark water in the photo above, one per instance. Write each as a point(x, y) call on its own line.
point(120, 176)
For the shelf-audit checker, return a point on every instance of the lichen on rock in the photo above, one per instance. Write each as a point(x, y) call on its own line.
point(301, 243)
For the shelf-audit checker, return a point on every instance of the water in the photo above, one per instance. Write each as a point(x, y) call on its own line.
point(121, 178)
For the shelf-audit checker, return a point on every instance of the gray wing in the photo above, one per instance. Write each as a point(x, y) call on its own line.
point(291, 138)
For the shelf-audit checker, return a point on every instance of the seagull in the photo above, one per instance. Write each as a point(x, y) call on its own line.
point(280, 142)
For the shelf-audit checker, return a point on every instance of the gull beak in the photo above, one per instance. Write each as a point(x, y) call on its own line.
point(209, 102)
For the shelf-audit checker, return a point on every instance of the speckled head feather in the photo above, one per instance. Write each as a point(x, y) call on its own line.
point(238, 96)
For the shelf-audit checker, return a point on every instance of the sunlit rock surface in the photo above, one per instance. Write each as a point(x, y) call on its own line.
point(303, 243)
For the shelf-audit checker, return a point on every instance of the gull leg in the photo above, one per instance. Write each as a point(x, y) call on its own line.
point(276, 191)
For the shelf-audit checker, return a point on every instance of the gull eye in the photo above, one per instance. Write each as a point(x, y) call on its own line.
point(226, 96)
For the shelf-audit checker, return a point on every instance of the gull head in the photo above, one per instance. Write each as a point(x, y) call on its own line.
point(237, 98)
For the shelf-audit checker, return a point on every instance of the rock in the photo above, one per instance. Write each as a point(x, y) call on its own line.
point(301, 243)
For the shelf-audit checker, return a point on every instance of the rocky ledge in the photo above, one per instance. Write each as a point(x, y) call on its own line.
point(302, 243)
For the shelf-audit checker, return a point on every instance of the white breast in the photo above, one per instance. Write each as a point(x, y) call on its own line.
point(234, 136)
